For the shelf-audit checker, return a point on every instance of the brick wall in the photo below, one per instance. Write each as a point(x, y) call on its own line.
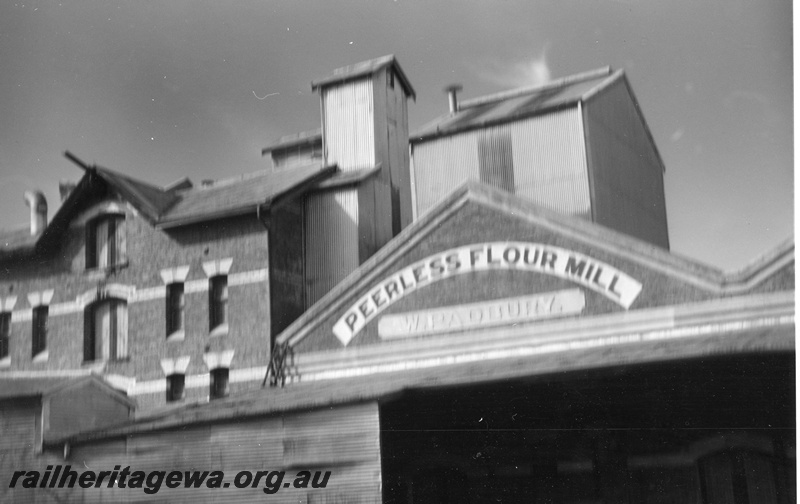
point(149, 251)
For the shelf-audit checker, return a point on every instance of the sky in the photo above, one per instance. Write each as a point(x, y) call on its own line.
point(164, 90)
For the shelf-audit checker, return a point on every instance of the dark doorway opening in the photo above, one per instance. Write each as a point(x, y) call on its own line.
point(704, 430)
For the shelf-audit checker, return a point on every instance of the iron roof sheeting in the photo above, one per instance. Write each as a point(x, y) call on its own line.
point(178, 206)
point(233, 197)
point(385, 386)
point(15, 239)
point(517, 103)
point(14, 388)
point(303, 138)
point(37, 386)
point(364, 68)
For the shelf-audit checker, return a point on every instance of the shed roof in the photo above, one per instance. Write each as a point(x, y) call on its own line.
point(352, 72)
point(518, 103)
point(303, 138)
point(18, 387)
point(242, 194)
point(385, 386)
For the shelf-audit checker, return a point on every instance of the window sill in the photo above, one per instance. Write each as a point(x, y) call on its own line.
point(101, 363)
point(176, 337)
point(41, 356)
point(220, 330)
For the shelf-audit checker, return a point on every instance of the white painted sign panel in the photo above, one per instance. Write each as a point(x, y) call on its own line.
point(514, 310)
point(521, 256)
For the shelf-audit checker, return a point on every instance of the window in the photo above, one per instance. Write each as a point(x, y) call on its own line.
point(39, 341)
point(175, 308)
point(105, 241)
point(106, 330)
point(175, 387)
point(496, 161)
point(219, 383)
point(5, 333)
point(218, 302)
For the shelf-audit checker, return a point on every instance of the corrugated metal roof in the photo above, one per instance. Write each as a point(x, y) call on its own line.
point(235, 196)
point(363, 68)
point(384, 386)
point(35, 386)
point(15, 239)
point(304, 137)
point(180, 205)
point(517, 103)
point(14, 388)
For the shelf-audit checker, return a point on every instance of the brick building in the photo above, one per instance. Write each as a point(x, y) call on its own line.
point(177, 292)
point(525, 336)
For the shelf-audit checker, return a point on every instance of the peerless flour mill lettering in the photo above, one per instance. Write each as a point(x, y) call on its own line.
point(521, 256)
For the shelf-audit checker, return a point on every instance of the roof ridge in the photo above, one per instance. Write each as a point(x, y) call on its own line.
point(513, 93)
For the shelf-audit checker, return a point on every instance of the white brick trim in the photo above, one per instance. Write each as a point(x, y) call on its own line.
point(8, 304)
point(136, 295)
point(102, 208)
point(175, 275)
point(40, 298)
point(175, 366)
point(216, 360)
point(117, 291)
point(218, 267)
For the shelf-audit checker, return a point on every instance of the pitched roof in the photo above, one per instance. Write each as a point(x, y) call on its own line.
point(17, 387)
point(518, 103)
point(177, 205)
point(303, 138)
point(709, 279)
point(363, 68)
point(16, 240)
point(230, 197)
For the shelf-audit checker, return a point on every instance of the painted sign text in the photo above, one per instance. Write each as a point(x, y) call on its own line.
point(522, 256)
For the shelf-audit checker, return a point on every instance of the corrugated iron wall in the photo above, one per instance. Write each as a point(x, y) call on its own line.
point(626, 171)
point(332, 241)
point(343, 440)
point(295, 156)
point(441, 165)
point(549, 162)
point(349, 130)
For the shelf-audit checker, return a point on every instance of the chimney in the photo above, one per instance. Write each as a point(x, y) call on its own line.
point(452, 97)
point(65, 188)
point(35, 200)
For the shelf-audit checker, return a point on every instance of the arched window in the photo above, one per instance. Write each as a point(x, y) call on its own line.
point(106, 330)
point(105, 241)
